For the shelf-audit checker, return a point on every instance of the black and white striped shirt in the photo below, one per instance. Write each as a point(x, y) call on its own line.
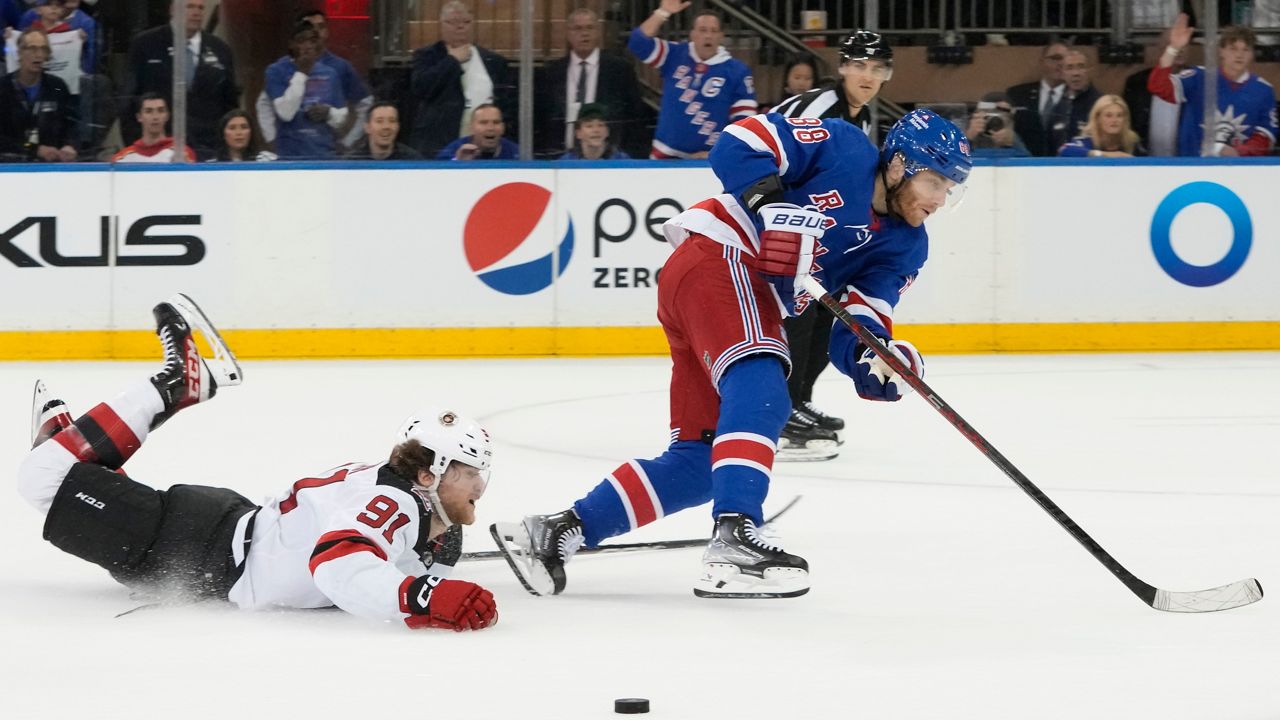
point(824, 102)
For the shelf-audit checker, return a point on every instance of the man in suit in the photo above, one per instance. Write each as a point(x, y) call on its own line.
point(452, 78)
point(586, 75)
point(1071, 113)
point(211, 79)
point(1035, 100)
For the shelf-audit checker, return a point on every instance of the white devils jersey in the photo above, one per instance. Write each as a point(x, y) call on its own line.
point(354, 536)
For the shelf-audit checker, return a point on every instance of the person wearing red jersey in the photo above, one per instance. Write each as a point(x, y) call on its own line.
point(154, 146)
point(378, 540)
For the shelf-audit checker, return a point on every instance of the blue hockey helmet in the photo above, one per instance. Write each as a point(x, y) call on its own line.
point(928, 141)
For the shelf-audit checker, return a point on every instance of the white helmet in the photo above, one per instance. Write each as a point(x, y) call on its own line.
point(450, 437)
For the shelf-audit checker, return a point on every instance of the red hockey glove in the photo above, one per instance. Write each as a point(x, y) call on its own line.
point(453, 604)
point(875, 380)
point(787, 248)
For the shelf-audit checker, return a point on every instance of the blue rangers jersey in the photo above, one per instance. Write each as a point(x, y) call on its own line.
point(830, 165)
point(1244, 108)
point(868, 278)
point(699, 97)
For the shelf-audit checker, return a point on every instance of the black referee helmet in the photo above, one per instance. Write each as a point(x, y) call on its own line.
point(866, 45)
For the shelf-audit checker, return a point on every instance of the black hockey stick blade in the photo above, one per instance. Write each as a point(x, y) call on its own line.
point(1225, 597)
point(636, 546)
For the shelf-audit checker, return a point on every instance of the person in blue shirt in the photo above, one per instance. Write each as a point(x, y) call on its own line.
point(306, 95)
point(358, 99)
point(801, 196)
point(591, 137)
point(485, 141)
point(703, 87)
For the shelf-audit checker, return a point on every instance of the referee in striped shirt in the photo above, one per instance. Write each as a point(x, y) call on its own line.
point(866, 63)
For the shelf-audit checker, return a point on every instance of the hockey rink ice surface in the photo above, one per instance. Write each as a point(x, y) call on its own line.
point(940, 590)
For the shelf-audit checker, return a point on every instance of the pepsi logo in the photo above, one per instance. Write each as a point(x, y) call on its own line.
point(501, 234)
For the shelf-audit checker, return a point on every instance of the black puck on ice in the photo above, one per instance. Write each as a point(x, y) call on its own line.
point(631, 706)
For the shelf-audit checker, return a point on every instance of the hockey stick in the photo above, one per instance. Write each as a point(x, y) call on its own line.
point(636, 546)
point(1226, 597)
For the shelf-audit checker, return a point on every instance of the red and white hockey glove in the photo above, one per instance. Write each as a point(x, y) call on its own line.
point(787, 246)
point(875, 380)
point(453, 604)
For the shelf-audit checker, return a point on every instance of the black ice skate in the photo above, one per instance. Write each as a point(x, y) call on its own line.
point(538, 547)
point(739, 563)
point(49, 415)
point(188, 377)
point(803, 441)
point(821, 419)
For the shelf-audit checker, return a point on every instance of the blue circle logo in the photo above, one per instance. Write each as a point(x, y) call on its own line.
point(1241, 240)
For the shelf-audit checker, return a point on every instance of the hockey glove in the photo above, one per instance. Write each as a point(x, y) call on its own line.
point(452, 604)
point(875, 380)
point(787, 246)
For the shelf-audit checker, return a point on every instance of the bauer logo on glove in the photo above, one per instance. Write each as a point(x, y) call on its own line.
point(787, 249)
point(875, 380)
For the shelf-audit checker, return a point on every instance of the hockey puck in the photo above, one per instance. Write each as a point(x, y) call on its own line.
point(631, 706)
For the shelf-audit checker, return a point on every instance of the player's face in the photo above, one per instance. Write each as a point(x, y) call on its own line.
point(460, 488)
point(922, 195)
point(487, 128)
point(863, 79)
point(1235, 58)
point(592, 133)
point(706, 35)
point(236, 133)
point(1112, 119)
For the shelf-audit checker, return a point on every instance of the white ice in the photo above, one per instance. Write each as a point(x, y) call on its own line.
point(939, 589)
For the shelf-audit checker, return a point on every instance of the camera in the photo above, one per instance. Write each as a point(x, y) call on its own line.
point(994, 124)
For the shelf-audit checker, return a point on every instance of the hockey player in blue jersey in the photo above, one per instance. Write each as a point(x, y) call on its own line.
point(703, 87)
point(803, 195)
point(1245, 121)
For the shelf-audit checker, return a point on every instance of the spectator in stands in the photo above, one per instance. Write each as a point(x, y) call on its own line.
point(1107, 132)
point(1034, 101)
point(591, 137)
point(866, 64)
point(306, 98)
point(381, 134)
point(1155, 120)
point(800, 76)
point(991, 128)
point(1071, 113)
point(37, 114)
point(241, 141)
point(485, 141)
point(154, 146)
point(211, 77)
point(585, 75)
point(1245, 121)
point(358, 99)
point(452, 79)
point(59, 16)
point(703, 87)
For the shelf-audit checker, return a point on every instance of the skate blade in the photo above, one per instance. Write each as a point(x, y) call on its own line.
point(514, 544)
point(48, 414)
point(217, 356)
point(798, 454)
point(726, 581)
